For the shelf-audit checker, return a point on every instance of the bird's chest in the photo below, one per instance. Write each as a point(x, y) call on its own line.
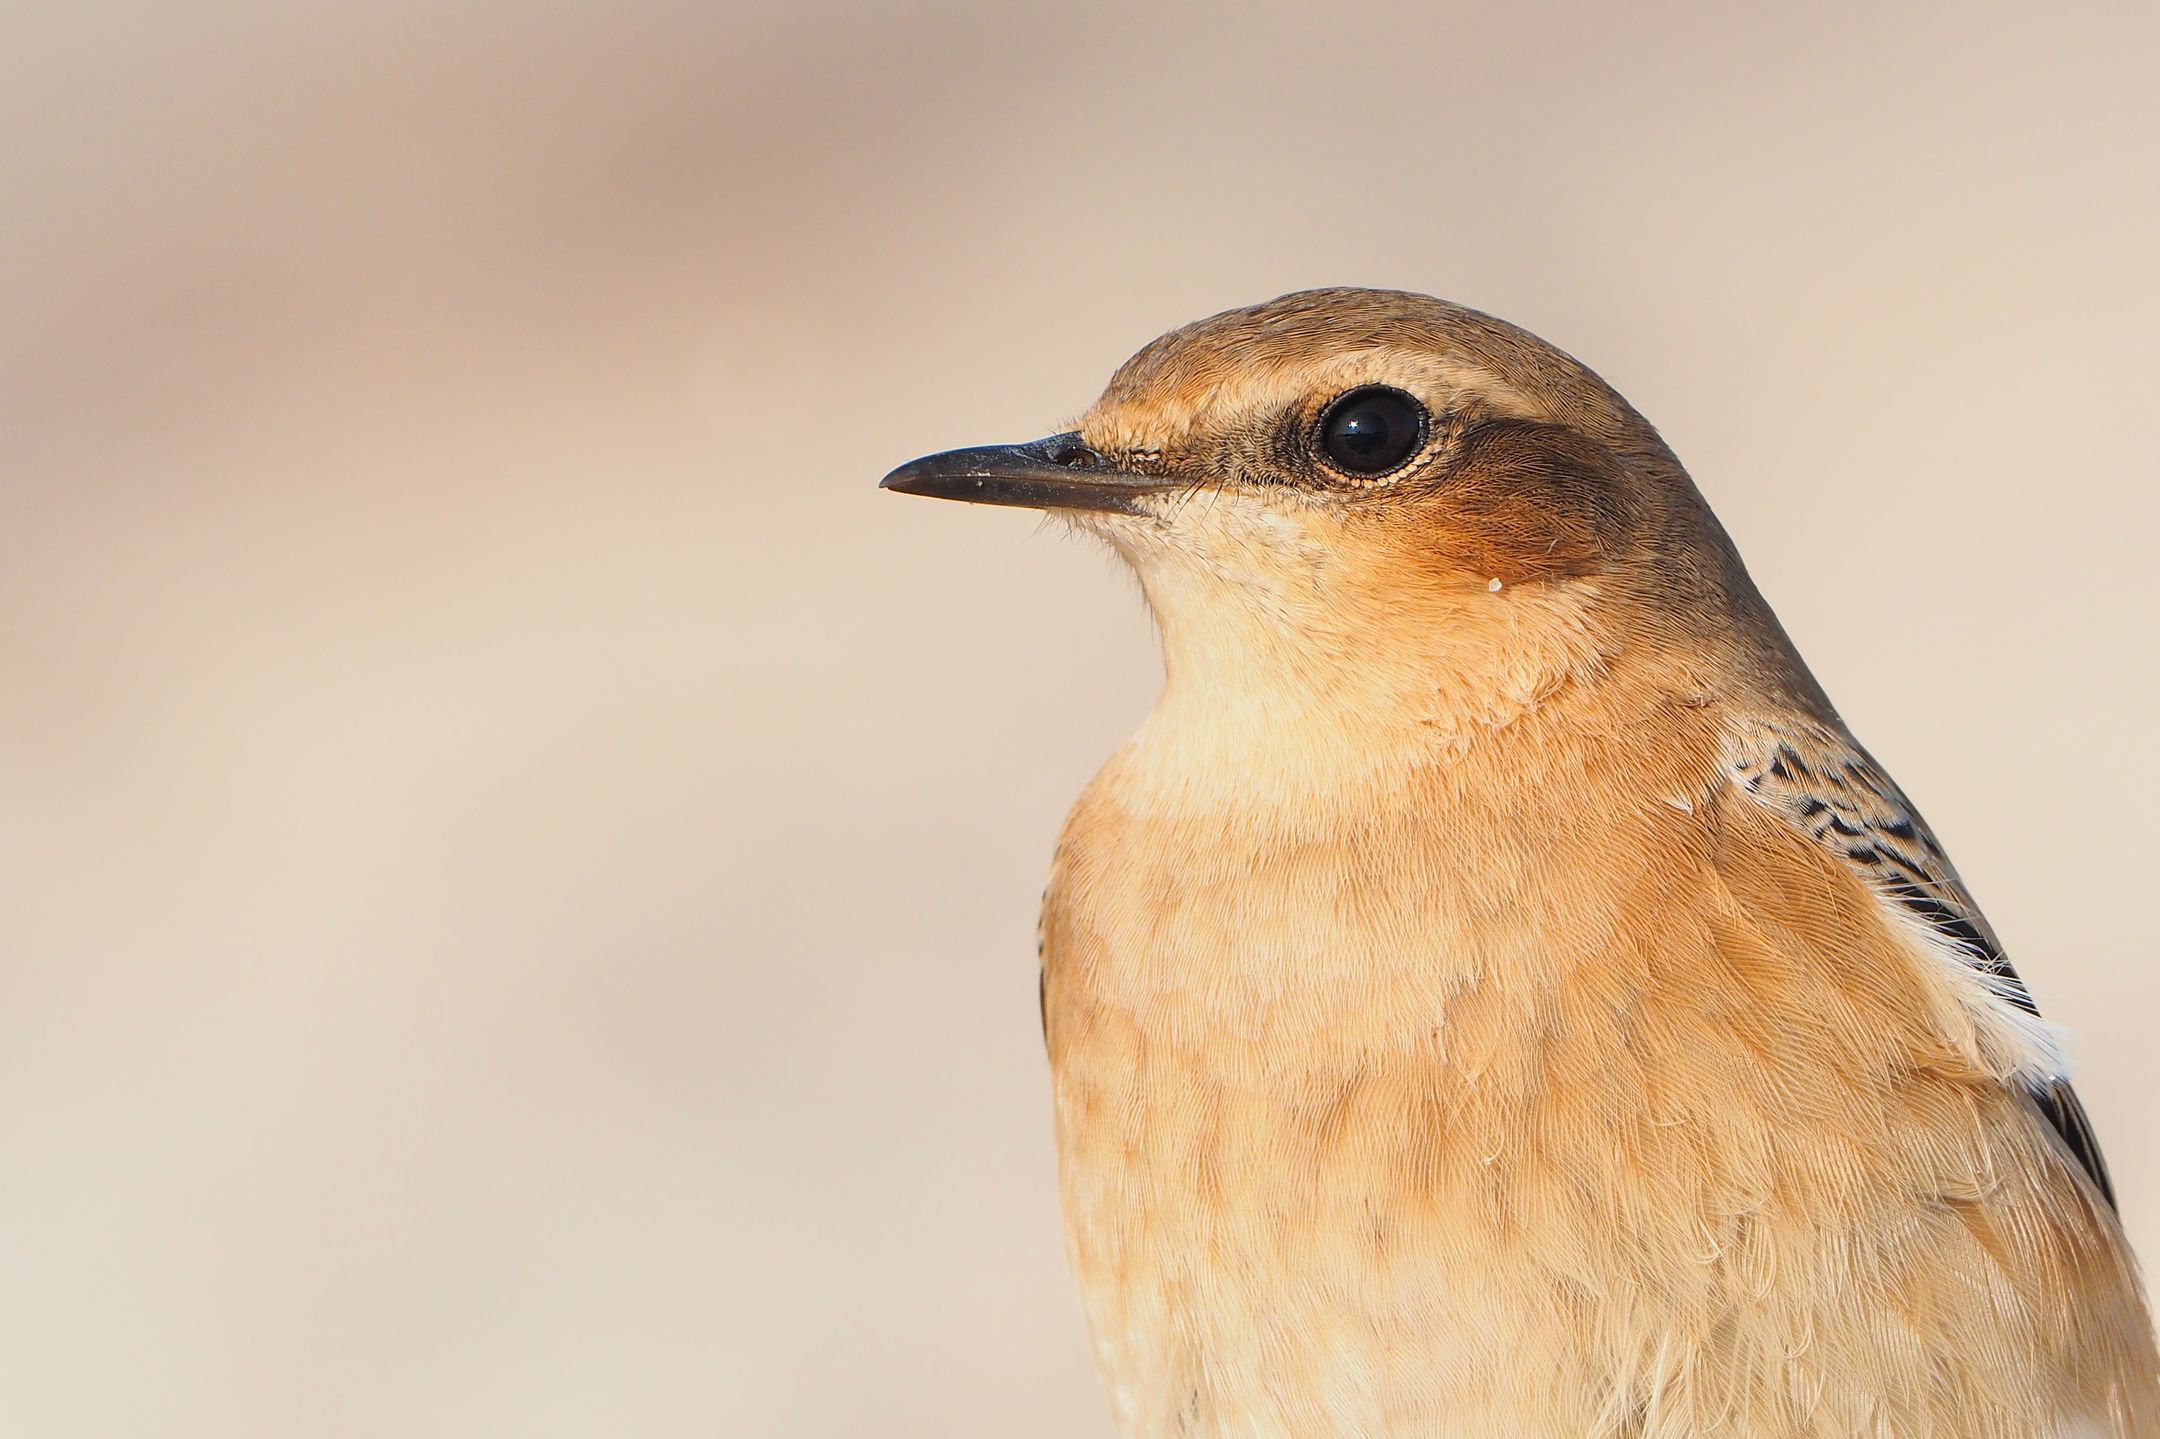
point(1293, 1115)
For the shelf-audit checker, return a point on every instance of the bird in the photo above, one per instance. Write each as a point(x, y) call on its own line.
point(1493, 993)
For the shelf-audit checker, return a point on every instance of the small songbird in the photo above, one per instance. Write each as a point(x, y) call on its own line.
point(1493, 994)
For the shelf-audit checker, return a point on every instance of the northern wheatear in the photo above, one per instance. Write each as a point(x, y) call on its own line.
point(1493, 994)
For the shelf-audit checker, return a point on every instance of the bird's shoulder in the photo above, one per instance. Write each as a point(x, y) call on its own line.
point(1826, 789)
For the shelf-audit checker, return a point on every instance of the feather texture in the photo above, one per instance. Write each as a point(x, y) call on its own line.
point(1492, 994)
point(1829, 787)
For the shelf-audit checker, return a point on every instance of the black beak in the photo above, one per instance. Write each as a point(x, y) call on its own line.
point(1060, 473)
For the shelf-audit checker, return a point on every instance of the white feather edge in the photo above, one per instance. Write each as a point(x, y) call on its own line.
point(1985, 1018)
point(1980, 1012)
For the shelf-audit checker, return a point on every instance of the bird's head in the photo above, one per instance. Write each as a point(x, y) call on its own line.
point(1345, 497)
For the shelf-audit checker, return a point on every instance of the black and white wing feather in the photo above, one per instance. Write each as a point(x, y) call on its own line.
point(1829, 787)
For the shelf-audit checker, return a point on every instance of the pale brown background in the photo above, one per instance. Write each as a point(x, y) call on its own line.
point(517, 865)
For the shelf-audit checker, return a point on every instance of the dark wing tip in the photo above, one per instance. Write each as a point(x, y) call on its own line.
point(2060, 1106)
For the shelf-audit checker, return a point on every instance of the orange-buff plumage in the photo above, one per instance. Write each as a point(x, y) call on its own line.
point(1493, 994)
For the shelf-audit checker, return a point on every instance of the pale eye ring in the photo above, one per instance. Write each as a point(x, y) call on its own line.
point(1371, 431)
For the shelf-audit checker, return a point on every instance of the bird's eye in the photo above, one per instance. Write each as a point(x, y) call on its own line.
point(1372, 430)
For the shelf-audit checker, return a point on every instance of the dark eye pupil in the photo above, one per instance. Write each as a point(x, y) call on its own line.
point(1372, 431)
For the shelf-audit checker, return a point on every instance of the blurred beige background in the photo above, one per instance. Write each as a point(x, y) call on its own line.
point(517, 866)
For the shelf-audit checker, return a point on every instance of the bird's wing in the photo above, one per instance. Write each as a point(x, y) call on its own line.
point(1831, 789)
